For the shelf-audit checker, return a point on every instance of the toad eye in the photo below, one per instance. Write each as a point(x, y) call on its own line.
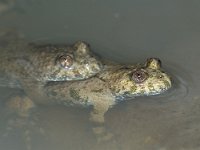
point(65, 61)
point(139, 76)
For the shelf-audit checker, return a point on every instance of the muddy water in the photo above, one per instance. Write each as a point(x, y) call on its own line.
point(127, 32)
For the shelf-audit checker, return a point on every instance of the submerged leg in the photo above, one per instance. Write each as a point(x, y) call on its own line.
point(99, 110)
point(20, 105)
point(19, 117)
point(97, 117)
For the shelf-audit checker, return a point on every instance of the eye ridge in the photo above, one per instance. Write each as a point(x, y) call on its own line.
point(139, 75)
point(65, 61)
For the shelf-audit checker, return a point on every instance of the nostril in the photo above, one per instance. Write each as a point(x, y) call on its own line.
point(160, 76)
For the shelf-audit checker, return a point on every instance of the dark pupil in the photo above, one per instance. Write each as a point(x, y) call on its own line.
point(139, 75)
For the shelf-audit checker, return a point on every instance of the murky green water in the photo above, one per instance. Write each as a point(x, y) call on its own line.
point(127, 32)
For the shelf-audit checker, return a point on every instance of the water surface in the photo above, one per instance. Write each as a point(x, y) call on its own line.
point(127, 32)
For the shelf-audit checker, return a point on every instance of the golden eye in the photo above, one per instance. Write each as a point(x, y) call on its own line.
point(139, 75)
point(65, 61)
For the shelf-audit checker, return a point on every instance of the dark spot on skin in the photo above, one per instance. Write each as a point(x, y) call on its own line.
point(77, 74)
point(54, 75)
point(97, 90)
point(166, 83)
point(85, 102)
point(133, 89)
point(160, 76)
point(127, 93)
point(101, 79)
point(116, 90)
point(142, 91)
point(150, 86)
point(74, 94)
point(125, 67)
point(159, 61)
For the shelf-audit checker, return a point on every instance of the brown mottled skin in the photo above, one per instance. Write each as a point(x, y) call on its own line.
point(21, 61)
point(113, 84)
point(30, 67)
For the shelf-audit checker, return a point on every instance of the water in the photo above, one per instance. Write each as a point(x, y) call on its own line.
point(127, 32)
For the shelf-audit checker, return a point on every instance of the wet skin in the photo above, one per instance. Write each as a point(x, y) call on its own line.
point(113, 84)
point(108, 86)
point(42, 63)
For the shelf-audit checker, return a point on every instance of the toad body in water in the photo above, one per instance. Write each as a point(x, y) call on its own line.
point(29, 67)
point(20, 60)
point(113, 84)
point(101, 87)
